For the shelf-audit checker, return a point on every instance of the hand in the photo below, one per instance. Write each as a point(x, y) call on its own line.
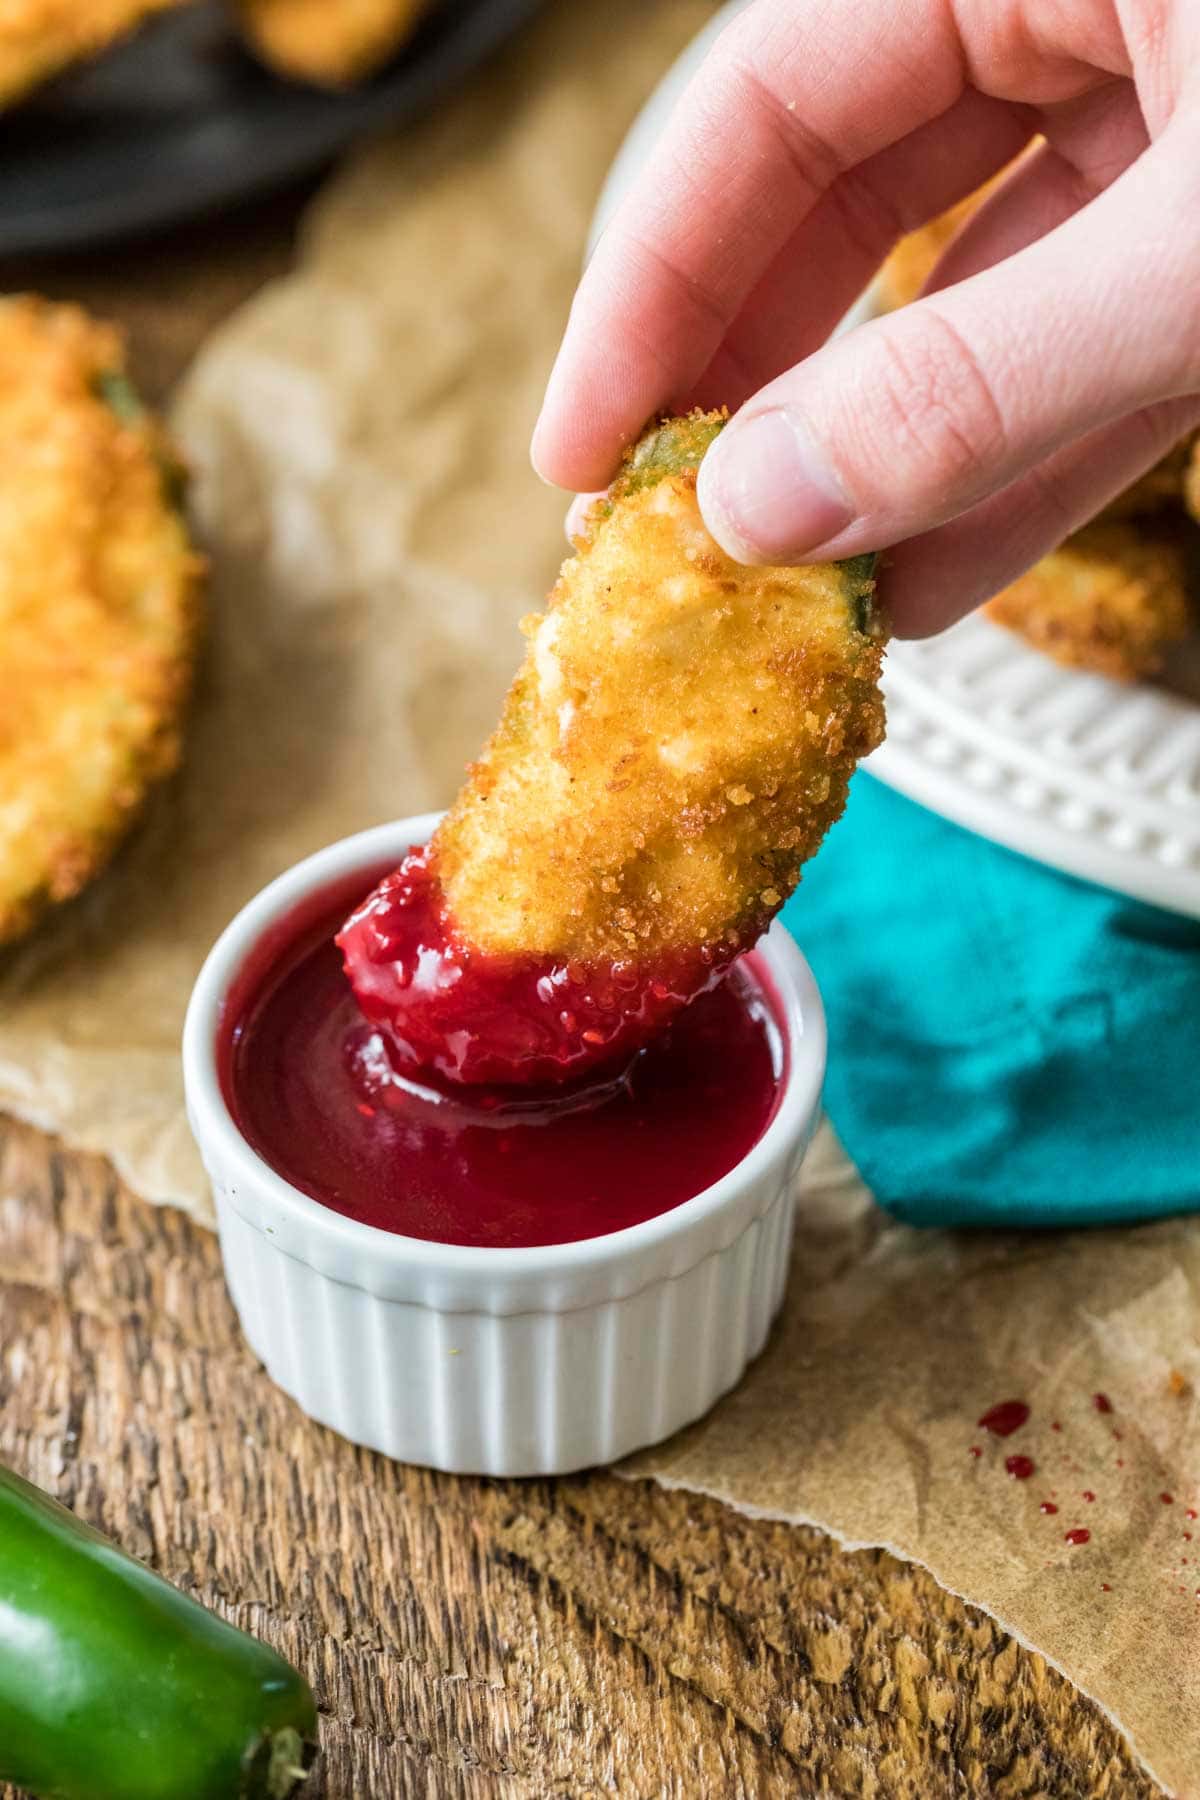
point(1053, 358)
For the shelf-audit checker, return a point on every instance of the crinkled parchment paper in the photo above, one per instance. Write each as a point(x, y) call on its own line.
point(861, 1417)
point(359, 437)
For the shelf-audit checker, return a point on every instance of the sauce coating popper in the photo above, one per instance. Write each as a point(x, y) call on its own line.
point(502, 1168)
point(675, 746)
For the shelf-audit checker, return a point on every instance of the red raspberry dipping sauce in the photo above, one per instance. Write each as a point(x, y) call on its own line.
point(321, 1094)
point(499, 1019)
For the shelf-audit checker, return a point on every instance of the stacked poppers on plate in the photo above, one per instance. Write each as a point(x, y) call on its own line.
point(1118, 594)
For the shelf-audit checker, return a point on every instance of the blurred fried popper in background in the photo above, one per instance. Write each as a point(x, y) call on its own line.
point(99, 604)
point(329, 43)
point(1111, 599)
point(41, 38)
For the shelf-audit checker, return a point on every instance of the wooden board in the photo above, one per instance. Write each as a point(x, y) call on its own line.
point(480, 1638)
point(471, 1638)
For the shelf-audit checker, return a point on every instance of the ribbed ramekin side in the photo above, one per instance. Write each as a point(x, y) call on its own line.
point(538, 1392)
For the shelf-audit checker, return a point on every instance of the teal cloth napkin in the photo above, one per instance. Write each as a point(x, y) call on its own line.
point(1007, 1045)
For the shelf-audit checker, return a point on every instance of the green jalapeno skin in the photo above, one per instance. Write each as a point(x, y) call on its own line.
point(116, 1686)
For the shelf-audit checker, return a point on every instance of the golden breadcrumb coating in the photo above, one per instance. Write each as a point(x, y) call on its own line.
point(1111, 600)
point(331, 43)
point(40, 38)
point(98, 604)
point(679, 738)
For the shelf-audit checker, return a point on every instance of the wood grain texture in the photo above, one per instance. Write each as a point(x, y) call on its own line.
point(490, 1640)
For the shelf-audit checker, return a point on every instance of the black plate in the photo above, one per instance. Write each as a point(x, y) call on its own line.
point(181, 121)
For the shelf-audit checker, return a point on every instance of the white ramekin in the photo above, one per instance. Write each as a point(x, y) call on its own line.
point(499, 1362)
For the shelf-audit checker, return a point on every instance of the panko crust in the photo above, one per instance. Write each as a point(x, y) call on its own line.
point(99, 605)
point(40, 38)
point(330, 43)
point(1110, 600)
point(677, 742)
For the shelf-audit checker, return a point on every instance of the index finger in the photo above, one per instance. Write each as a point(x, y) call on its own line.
point(788, 99)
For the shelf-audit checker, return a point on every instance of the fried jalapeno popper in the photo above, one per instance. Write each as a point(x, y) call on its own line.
point(677, 743)
point(98, 604)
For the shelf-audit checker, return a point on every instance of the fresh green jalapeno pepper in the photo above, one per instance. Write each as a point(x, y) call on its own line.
point(116, 1686)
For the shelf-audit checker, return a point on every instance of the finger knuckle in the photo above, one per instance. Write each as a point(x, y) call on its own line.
point(865, 215)
point(1053, 504)
point(930, 395)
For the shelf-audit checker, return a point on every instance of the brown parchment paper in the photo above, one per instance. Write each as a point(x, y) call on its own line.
point(861, 1418)
point(359, 439)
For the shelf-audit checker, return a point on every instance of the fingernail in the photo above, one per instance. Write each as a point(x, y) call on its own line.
point(766, 491)
point(577, 514)
point(533, 456)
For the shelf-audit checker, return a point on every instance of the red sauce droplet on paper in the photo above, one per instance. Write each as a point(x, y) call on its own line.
point(975, 1450)
point(1102, 1403)
point(1004, 1419)
point(1191, 1512)
point(1019, 1467)
point(1077, 1535)
point(1187, 1537)
point(1088, 1494)
point(1054, 1425)
point(1120, 1462)
point(1104, 1588)
point(1167, 1499)
point(1048, 1506)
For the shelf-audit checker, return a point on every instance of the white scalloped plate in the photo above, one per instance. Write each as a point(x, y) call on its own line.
point(1092, 777)
point(1097, 779)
